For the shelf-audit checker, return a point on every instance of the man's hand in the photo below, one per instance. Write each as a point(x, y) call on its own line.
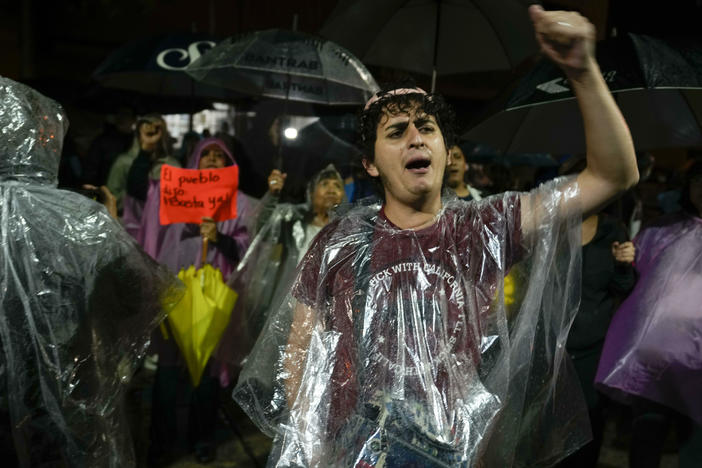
point(208, 229)
point(568, 39)
point(624, 252)
point(149, 136)
point(565, 37)
point(276, 180)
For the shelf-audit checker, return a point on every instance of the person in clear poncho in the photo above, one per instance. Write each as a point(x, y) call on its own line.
point(651, 356)
point(394, 347)
point(324, 192)
point(267, 270)
point(79, 299)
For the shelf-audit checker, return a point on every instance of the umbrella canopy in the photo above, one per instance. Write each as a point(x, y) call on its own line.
point(435, 37)
point(99, 99)
point(155, 66)
point(286, 65)
point(484, 154)
point(657, 84)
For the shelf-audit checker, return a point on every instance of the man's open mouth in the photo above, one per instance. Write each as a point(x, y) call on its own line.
point(418, 164)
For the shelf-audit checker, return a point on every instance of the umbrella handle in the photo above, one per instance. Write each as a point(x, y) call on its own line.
point(203, 257)
point(278, 158)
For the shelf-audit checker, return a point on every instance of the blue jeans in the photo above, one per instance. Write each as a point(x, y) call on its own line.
point(388, 436)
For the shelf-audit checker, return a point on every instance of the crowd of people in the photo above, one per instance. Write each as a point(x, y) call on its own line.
point(445, 320)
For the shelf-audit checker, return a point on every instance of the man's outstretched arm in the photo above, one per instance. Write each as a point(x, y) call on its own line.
point(568, 39)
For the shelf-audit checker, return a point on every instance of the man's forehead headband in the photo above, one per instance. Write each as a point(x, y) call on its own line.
point(380, 95)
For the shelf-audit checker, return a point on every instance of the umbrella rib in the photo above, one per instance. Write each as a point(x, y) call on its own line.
point(282, 72)
point(544, 103)
point(508, 148)
point(691, 109)
point(678, 87)
point(248, 45)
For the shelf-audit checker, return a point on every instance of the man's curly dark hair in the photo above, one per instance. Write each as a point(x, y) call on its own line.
point(393, 104)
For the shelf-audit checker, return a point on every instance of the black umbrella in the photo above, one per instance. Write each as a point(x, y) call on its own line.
point(154, 66)
point(286, 65)
point(485, 154)
point(657, 84)
point(97, 98)
point(314, 148)
point(434, 37)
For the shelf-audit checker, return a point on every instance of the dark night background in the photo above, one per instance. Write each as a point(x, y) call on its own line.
point(56, 45)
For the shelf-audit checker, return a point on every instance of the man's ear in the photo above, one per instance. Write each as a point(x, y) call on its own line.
point(370, 168)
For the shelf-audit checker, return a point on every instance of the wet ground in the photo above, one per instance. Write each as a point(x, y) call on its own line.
point(241, 444)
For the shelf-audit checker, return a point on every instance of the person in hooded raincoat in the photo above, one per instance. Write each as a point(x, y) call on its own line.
point(265, 273)
point(179, 246)
point(399, 349)
point(324, 192)
point(79, 299)
point(651, 355)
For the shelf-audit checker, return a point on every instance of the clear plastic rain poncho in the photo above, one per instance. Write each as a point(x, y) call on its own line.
point(652, 349)
point(438, 347)
point(260, 279)
point(79, 299)
point(264, 275)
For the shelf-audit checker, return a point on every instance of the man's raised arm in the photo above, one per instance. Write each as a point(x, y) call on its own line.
point(568, 39)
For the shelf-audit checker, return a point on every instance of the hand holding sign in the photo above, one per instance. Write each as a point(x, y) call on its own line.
point(208, 229)
point(189, 195)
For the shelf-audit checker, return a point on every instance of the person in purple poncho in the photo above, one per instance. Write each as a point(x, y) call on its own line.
point(651, 356)
point(179, 246)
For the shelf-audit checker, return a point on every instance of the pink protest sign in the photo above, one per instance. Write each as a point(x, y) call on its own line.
point(188, 195)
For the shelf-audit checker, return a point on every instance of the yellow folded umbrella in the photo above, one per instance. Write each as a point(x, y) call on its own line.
point(200, 318)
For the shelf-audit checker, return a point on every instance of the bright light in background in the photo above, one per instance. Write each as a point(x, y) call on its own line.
point(290, 133)
point(294, 124)
point(210, 119)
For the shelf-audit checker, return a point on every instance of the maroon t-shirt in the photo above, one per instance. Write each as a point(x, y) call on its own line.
point(411, 307)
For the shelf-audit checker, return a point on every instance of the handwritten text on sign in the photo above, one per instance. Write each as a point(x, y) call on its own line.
point(188, 195)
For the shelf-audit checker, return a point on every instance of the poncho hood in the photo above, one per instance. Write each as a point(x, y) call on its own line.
point(32, 128)
point(194, 159)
